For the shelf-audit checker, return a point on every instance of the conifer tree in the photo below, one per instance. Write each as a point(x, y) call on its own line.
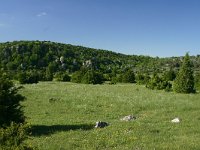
point(184, 82)
point(10, 107)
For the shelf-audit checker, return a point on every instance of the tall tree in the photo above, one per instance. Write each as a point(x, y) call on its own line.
point(184, 82)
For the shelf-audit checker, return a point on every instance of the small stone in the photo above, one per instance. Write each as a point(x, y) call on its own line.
point(101, 124)
point(175, 120)
point(128, 118)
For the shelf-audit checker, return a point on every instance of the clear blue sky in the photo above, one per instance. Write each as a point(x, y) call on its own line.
point(143, 27)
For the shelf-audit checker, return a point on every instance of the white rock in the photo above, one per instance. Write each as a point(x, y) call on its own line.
point(175, 120)
point(128, 118)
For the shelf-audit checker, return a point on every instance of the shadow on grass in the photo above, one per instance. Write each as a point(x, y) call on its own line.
point(40, 130)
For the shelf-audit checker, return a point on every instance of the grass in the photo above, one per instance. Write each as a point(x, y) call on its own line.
point(63, 116)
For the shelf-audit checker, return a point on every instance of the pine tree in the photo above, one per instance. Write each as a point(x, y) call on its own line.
point(184, 82)
point(10, 107)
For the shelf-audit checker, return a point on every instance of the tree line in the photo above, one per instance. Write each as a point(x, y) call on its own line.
point(33, 61)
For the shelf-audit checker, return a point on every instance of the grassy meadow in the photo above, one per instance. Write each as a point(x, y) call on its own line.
point(63, 116)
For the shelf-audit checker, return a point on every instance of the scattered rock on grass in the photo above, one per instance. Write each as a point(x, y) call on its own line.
point(128, 118)
point(175, 120)
point(101, 124)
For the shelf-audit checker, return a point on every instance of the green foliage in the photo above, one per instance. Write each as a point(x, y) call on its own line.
point(92, 77)
point(48, 58)
point(13, 137)
point(128, 77)
point(142, 78)
point(184, 82)
point(169, 75)
point(28, 77)
point(77, 76)
point(157, 83)
point(87, 76)
point(48, 75)
point(10, 107)
point(197, 81)
point(114, 80)
point(62, 76)
point(56, 57)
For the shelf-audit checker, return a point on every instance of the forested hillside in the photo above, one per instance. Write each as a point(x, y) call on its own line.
point(46, 56)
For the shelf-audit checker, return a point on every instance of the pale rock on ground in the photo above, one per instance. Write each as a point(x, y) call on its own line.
point(128, 118)
point(175, 120)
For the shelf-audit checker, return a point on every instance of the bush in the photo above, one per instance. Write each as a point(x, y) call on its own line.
point(62, 76)
point(128, 77)
point(142, 79)
point(28, 77)
point(13, 136)
point(87, 77)
point(92, 77)
point(77, 76)
point(157, 83)
point(169, 75)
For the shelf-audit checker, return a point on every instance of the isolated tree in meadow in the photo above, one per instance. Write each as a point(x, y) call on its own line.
point(184, 82)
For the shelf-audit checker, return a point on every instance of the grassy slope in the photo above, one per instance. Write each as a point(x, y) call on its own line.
point(68, 121)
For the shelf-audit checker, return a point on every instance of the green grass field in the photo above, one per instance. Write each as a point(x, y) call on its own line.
point(63, 116)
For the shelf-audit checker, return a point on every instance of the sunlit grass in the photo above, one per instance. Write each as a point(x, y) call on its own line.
point(63, 116)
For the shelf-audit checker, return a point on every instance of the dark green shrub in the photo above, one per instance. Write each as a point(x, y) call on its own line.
point(13, 136)
point(28, 77)
point(128, 77)
point(142, 78)
point(62, 76)
point(157, 83)
point(66, 77)
point(92, 77)
point(197, 81)
point(10, 108)
point(77, 76)
point(119, 78)
point(48, 75)
point(13, 131)
point(169, 75)
point(184, 82)
point(114, 80)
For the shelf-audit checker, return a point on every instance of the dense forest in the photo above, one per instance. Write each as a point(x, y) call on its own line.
point(40, 55)
point(51, 60)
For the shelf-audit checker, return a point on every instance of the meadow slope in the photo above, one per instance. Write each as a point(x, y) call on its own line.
point(63, 115)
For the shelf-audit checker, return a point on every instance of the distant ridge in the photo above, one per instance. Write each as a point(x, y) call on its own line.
point(41, 54)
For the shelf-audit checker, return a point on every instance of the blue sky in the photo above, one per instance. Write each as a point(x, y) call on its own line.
point(142, 27)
